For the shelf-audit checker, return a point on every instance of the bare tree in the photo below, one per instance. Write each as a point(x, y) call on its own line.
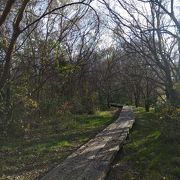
point(148, 26)
point(18, 28)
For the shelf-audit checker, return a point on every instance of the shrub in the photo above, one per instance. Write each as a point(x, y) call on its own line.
point(169, 117)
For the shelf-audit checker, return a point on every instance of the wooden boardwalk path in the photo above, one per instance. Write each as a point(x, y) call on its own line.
point(92, 161)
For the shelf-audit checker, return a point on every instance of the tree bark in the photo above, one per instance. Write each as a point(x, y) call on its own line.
point(9, 52)
point(6, 11)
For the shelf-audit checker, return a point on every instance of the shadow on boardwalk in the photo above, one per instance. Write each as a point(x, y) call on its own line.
point(92, 161)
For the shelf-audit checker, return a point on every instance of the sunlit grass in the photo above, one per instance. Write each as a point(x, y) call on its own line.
point(51, 142)
point(150, 154)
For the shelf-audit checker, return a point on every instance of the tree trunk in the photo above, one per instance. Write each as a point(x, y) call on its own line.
point(136, 100)
point(147, 105)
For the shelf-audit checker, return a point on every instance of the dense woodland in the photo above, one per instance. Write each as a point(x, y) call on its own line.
point(74, 57)
point(55, 57)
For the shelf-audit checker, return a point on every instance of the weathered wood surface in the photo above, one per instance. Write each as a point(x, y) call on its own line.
point(92, 161)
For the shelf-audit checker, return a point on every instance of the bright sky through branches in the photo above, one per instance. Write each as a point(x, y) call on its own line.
point(99, 5)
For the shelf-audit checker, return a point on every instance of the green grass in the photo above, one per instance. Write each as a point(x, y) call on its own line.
point(50, 142)
point(151, 154)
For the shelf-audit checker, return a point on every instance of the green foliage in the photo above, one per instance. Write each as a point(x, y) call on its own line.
point(49, 106)
point(169, 117)
point(166, 110)
point(85, 104)
point(2, 105)
point(177, 93)
point(3, 115)
point(64, 68)
point(177, 87)
point(22, 99)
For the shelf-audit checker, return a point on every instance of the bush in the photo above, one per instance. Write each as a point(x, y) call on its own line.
point(167, 111)
point(169, 117)
point(85, 104)
point(177, 91)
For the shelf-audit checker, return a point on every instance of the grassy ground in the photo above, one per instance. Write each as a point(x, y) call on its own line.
point(152, 151)
point(51, 141)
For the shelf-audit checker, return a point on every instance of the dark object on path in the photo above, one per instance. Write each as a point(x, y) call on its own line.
point(116, 105)
point(117, 113)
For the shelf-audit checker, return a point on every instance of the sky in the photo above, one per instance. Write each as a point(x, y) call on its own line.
point(107, 36)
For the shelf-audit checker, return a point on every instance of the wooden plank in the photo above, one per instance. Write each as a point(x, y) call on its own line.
point(92, 160)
